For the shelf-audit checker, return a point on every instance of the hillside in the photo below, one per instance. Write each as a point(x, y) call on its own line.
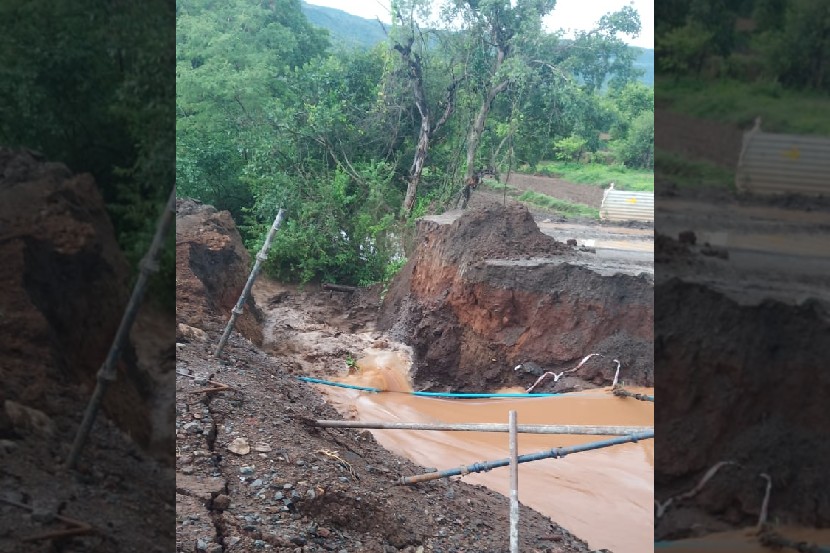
point(350, 31)
point(345, 29)
point(645, 62)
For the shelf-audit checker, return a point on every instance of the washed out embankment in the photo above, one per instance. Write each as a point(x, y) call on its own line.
point(485, 291)
point(66, 285)
point(736, 382)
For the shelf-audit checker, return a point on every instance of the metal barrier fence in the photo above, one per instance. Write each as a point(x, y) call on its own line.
point(784, 164)
point(620, 205)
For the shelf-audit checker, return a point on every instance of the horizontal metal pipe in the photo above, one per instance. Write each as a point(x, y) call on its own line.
point(554, 453)
point(489, 427)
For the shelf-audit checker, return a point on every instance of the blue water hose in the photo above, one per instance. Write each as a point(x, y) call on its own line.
point(338, 384)
point(459, 395)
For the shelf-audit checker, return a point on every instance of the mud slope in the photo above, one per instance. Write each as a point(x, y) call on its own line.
point(486, 291)
point(212, 267)
point(64, 289)
point(739, 382)
point(289, 487)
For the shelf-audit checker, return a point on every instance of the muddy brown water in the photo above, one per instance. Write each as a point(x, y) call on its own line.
point(743, 541)
point(605, 496)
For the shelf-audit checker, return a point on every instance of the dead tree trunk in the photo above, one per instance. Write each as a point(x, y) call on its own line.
point(474, 138)
point(426, 132)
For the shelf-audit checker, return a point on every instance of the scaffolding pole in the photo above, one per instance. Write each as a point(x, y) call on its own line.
point(486, 427)
point(514, 484)
point(107, 373)
point(260, 257)
point(554, 453)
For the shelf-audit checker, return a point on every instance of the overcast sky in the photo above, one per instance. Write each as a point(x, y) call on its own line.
point(568, 14)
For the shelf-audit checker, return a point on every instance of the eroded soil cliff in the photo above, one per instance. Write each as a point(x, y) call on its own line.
point(486, 291)
point(65, 285)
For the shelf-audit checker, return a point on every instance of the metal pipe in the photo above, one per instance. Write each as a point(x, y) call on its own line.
point(107, 373)
point(488, 427)
point(514, 484)
point(260, 257)
point(554, 453)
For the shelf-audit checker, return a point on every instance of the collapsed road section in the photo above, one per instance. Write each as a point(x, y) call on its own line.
point(743, 315)
point(487, 292)
point(252, 475)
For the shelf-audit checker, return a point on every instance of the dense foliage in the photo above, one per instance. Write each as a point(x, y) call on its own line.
point(270, 115)
point(747, 40)
point(89, 84)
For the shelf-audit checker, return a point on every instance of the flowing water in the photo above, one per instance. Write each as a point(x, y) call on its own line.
point(605, 496)
point(743, 541)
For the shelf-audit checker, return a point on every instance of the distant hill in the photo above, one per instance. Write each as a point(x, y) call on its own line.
point(645, 62)
point(350, 31)
point(345, 29)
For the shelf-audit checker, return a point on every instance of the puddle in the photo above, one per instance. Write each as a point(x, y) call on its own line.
point(605, 496)
point(794, 244)
point(730, 212)
point(742, 541)
point(637, 246)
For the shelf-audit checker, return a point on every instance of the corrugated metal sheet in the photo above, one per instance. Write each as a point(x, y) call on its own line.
point(619, 205)
point(784, 164)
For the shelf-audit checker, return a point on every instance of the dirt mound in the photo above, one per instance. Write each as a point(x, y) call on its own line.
point(65, 285)
point(486, 291)
point(734, 383)
point(212, 266)
point(65, 290)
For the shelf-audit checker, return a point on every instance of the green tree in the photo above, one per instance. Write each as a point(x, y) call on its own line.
point(637, 148)
point(502, 30)
point(799, 52)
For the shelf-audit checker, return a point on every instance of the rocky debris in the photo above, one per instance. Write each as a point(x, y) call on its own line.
point(25, 420)
point(65, 285)
point(687, 237)
point(668, 250)
point(212, 266)
point(487, 290)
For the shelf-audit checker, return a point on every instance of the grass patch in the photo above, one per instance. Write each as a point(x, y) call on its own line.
point(493, 184)
point(738, 103)
point(560, 206)
point(597, 174)
point(685, 173)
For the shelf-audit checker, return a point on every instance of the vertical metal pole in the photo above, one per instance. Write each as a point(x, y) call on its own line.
point(260, 257)
point(514, 484)
point(107, 372)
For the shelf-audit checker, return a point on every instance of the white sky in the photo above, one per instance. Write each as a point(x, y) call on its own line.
point(568, 14)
